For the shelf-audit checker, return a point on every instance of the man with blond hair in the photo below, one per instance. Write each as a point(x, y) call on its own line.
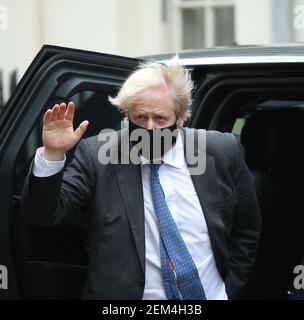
point(157, 228)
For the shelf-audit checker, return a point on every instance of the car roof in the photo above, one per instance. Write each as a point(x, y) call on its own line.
point(289, 53)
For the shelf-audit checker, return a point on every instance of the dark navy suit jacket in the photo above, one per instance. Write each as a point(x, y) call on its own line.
point(108, 201)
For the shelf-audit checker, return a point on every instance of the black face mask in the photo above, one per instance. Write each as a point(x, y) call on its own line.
point(157, 143)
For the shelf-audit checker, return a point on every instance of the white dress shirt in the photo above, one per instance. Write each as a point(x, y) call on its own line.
point(187, 213)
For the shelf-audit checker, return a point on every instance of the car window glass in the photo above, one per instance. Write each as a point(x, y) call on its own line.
point(237, 127)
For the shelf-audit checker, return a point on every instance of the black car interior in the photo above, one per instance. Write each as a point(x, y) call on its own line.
point(264, 108)
point(272, 140)
point(271, 134)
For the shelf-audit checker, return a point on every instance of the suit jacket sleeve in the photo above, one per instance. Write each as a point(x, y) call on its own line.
point(60, 198)
point(245, 235)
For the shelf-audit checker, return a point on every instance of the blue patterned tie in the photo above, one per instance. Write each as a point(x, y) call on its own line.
point(181, 278)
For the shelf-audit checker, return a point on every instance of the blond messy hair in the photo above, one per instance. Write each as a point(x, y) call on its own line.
point(152, 74)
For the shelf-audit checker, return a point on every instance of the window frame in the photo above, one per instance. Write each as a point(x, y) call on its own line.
point(209, 23)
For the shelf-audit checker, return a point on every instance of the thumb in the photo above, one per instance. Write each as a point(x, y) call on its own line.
point(81, 129)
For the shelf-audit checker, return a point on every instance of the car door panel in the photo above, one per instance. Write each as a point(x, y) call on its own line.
point(50, 262)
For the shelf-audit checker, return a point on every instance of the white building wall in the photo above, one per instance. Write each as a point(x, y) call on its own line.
point(141, 27)
point(253, 22)
point(123, 27)
point(21, 40)
point(89, 25)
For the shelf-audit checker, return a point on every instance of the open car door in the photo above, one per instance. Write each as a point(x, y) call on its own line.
point(50, 263)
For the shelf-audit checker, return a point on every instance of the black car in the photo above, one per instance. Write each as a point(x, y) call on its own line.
point(257, 93)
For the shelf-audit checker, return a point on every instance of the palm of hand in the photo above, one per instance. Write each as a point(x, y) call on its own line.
point(58, 132)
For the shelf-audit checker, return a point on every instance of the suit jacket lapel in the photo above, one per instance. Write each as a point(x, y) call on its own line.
point(130, 185)
point(207, 191)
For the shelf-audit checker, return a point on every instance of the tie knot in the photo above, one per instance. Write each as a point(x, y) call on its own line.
point(154, 168)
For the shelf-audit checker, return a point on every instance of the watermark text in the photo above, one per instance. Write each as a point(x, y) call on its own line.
point(3, 17)
point(3, 277)
point(153, 146)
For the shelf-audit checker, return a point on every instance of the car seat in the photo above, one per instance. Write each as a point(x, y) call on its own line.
point(273, 141)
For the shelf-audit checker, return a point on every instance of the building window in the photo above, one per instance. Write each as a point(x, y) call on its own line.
point(204, 23)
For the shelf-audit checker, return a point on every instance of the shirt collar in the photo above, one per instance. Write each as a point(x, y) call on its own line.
point(174, 157)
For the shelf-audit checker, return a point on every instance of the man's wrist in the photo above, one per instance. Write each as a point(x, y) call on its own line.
point(53, 155)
